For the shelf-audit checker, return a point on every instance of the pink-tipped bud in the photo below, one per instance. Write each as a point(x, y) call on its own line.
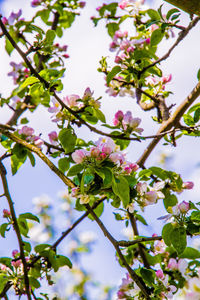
point(184, 207)
point(188, 185)
point(6, 213)
point(160, 274)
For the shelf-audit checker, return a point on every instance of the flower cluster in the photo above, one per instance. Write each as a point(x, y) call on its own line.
point(105, 149)
point(127, 122)
point(127, 289)
point(61, 49)
point(74, 102)
point(149, 195)
point(27, 133)
point(158, 83)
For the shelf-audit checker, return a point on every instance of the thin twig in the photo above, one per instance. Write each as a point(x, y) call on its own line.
point(139, 240)
point(181, 36)
point(16, 227)
point(140, 246)
point(138, 280)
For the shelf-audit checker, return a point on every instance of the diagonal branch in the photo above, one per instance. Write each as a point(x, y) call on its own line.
point(173, 121)
point(139, 240)
point(39, 153)
point(16, 227)
point(138, 280)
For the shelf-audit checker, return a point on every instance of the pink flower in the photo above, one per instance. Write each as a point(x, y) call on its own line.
point(53, 137)
point(160, 274)
point(71, 100)
point(172, 264)
point(87, 94)
point(28, 131)
point(55, 108)
point(188, 185)
point(117, 157)
point(94, 152)
point(153, 27)
point(13, 17)
point(184, 207)
point(79, 155)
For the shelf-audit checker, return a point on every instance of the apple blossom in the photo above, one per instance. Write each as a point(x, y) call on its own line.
point(79, 155)
point(53, 137)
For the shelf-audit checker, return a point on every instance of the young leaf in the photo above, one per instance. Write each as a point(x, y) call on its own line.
point(179, 239)
point(115, 70)
point(63, 261)
point(156, 37)
point(121, 188)
point(67, 137)
point(29, 216)
point(166, 233)
point(74, 170)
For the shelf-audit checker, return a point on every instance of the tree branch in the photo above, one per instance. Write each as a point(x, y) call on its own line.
point(39, 153)
point(139, 240)
point(173, 121)
point(133, 275)
point(190, 6)
point(16, 228)
point(181, 36)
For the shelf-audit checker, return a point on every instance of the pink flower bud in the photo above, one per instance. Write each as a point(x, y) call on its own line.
point(17, 263)
point(123, 4)
point(6, 213)
point(147, 41)
point(119, 115)
point(167, 78)
point(188, 185)
point(118, 59)
point(82, 4)
point(65, 55)
point(184, 207)
point(15, 253)
point(160, 274)
point(79, 155)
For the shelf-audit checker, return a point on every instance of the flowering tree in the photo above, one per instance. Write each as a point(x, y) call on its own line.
point(97, 174)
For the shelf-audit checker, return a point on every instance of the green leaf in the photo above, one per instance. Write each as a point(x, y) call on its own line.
point(8, 46)
point(3, 229)
point(28, 81)
point(63, 261)
point(166, 233)
point(190, 253)
point(23, 226)
point(171, 12)
point(121, 188)
point(156, 37)
point(63, 164)
point(3, 280)
point(50, 36)
point(195, 216)
point(105, 174)
point(148, 275)
point(100, 115)
point(141, 219)
point(153, 14)
point(98, 211)
point(27, 246)
point(6, 261)
point(112, 28)
point(188, 120)
point(158, 172)
point(198, 75)
point(74, 170)
point(34, 282)
point(32, 158)
point(170, 201)
point(179, 239)
point(16, 163)
point(115, 70)
point(29, 216)
point(20, 151)
point(41, 247)
point(197, 115)
point(67, 138)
